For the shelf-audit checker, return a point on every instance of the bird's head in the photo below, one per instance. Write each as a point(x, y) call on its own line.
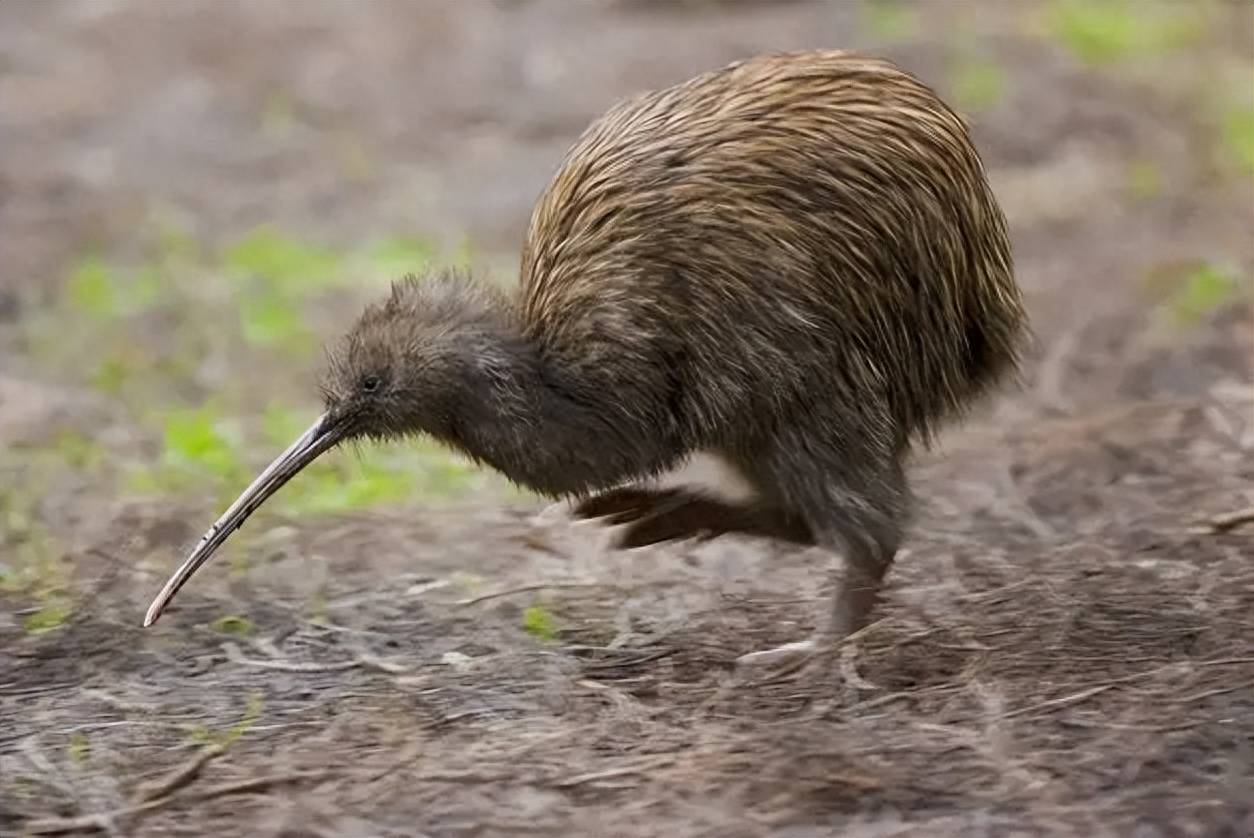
point(413, 363)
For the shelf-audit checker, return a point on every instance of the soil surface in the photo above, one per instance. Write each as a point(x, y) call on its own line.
point(1066, 645)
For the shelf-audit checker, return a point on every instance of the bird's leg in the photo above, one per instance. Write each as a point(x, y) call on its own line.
point(856, 594)
point(867, 560)
point(859, 513)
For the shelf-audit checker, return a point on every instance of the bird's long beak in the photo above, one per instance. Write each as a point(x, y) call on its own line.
point(323, 434)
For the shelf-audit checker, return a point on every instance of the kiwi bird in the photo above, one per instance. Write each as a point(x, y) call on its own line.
point(794, 265)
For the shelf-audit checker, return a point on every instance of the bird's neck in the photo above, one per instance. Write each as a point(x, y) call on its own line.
point(541, 424)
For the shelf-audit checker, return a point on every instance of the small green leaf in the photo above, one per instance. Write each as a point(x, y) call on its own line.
point(1203, 292)
point(78, 451)
point(231, 624)
point(1109, 31)
point(191, 436)
point(251, 713)
point(539, 623)
point(890, 20)
point(200, 735)
point(268, 321)
point(79, 748)
point(1238, 137)
point(111, 376)
point(978, 84)
point(101, 292)
point(194, 443)
point(92, 288)
point(287, 263)
point(48, 618)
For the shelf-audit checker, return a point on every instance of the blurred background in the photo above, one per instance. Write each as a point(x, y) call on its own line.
point(195, 195)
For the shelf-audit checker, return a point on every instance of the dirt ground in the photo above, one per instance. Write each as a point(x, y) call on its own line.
point(1067, 643)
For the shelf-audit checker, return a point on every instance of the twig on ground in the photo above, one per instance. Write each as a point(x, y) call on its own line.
point(119, 703)
point(182, 776)
point(1222, 662)
point(1229, 520)
point(100, 822)
point(236, 656)
point(1189, 699)
point(368, 660)
point(414, 750)
point(1062, 701)
point(613, 773)
point(103, 821)
point(55, 777)
point(554, 586)
point(624, 662)
point(1172, 728)
point(259, 784)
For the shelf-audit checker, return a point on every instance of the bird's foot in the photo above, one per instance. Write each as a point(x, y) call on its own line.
point(790, 654)
point(813, 657)
point(805, 656)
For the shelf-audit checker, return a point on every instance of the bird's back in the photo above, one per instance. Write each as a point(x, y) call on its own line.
point(788, 225)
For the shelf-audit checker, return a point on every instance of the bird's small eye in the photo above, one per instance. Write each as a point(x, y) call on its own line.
point(370, 383)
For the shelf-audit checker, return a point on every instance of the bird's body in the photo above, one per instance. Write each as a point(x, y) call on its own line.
point(794, 264)
point(719, 248)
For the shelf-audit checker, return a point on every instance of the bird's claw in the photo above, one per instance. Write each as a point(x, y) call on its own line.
point(781, 660)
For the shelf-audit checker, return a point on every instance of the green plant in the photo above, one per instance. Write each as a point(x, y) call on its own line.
point(539, 623)
point(98, 291)
point(1238, 136)
point(1202, 292)
point(1108, 31)
point(51, 615)
point(195, 440)
point(232, 624)
point(890, 20)
point(35, 564)
point(79, 748)
point(224, 739)
point(91, 288)
point(197, 450)
point(78, 451)
point(269, 320)
point(111, 375)
point(281, 260)
point(977, 83)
